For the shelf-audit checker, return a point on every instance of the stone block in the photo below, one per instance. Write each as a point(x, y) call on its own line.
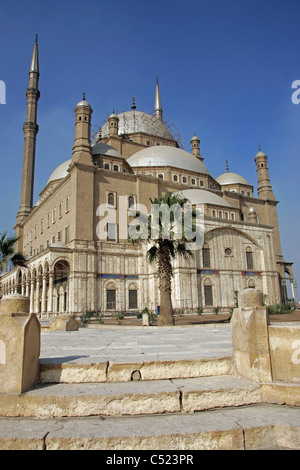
point(19, 352)
point(285, 352)
point(64, 323)
point(249, 325)
point(15, 303)
point(20, 341)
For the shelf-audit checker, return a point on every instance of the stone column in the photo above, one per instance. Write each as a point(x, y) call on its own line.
point(292, 288)
point(37, 289)
point(27, 292)
point(250, 338)
point(32, 297)
point(44, 293)
point(50, 302)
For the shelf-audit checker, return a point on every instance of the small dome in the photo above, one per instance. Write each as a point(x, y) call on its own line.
point(113, 115)
point(83, 103)
point(252, 210)
point(231, 178)
point(202, 196)
point(260, 154)
point(60, 172)
point(163, 155)
point(104, 149)
point(195, 138)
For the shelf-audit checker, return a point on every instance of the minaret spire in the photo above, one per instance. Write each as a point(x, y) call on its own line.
point(34, 67)
point(30, 129)
point(157, 108)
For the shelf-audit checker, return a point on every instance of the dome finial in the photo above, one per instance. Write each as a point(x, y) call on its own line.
point(83, 96)
point(133, 106)
point(259, 149)
point(227, 167)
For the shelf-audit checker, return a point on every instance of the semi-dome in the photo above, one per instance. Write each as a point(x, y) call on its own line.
point(231, 178)
point(104, 149)
point(138, 121)
point(163, 155)
point(60, 172)
point(202, 196)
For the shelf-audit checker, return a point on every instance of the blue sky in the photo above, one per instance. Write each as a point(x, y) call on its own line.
point(225, 70)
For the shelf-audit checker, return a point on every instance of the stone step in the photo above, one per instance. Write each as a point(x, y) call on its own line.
point(113, 371)
point(131, 398)
point(268, 427)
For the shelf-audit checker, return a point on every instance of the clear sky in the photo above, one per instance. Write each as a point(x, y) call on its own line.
point(225, 69)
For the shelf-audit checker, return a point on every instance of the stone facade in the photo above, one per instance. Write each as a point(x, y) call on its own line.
point(71, 270)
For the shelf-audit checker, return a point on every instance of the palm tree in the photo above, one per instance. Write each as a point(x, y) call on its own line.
point(7, 253)
point(164, 249)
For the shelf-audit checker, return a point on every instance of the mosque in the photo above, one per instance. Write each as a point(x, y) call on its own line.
point(135, 157)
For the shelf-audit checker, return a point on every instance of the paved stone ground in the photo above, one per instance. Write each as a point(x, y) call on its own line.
point(194, 337)
point(135, 344)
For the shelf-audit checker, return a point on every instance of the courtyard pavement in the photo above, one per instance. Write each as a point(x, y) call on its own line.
point(121, 344)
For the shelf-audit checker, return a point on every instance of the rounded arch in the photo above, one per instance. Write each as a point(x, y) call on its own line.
point(61, 270)
point(110, 285)
point(46, 266)
point(19, 276)
point(208, 281)
point(233, 229)
point(58, 260)
point(251, 283)
point(40, 270)
point(133, 286)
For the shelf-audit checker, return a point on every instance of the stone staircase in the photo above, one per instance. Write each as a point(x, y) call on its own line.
point(159, 405)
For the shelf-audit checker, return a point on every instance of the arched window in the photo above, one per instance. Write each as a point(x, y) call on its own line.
point(110, 199)
point(206, 257)
point(133, 299)
point(111, 299)
point(130, 201)
point(208, 292)
point(249, 258)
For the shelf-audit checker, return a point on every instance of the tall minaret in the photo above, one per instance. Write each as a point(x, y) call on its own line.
point(157, 109)
point(30, 129)
point(265, 190)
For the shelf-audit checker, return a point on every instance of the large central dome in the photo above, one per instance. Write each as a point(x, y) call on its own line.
point(138, 121)
point(163, 155)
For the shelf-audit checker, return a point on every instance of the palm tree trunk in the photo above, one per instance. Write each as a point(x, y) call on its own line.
point(165, 274)
point(165, 317)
